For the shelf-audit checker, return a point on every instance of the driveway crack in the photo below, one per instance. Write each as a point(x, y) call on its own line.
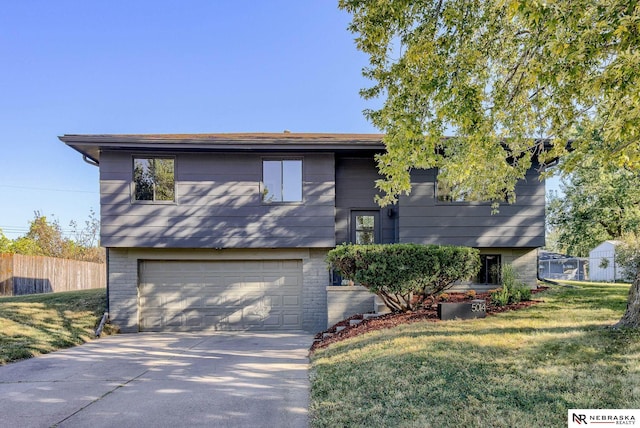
point(100, 398)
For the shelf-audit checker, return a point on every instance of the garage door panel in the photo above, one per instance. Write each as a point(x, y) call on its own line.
point(229, 295)
point(291, 301)
point(290, 320)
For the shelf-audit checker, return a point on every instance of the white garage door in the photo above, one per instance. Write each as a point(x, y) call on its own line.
point(220, 295)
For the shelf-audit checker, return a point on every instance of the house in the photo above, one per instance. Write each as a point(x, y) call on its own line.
point(230, 231)
point(602, 263)
point(562, 266)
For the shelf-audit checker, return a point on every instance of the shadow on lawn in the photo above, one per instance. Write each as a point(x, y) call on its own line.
point(41, 324)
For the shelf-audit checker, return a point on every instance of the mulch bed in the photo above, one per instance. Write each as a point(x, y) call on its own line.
point(427, 314)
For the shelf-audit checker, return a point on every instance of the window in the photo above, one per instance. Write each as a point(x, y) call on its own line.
point(446, 192)
point(153, 179)
point(281, 181)
point(451, 191)
point(489, 269)
point(365, 227)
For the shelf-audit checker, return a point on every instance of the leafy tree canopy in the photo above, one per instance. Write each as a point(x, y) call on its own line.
point(499, 77)
point(598, 204)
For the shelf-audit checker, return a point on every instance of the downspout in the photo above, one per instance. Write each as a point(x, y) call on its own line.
point(105, 317)
point(107, 261)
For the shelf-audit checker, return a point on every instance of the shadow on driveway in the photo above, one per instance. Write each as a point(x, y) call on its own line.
point(163, 379)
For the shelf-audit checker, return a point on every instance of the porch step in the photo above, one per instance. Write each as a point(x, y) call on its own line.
point(354, 322)
point(380, 307)
point(367, 316)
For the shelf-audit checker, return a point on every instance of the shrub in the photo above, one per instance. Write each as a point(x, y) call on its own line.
point(471, 294)
point(628, 256)
point(500, 297)
point(404, 275)
point(512, 291)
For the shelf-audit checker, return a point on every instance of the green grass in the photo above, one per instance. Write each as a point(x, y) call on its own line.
point(524, 367)
point(41, 323)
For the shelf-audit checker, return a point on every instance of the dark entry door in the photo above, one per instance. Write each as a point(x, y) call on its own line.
point(365, 227)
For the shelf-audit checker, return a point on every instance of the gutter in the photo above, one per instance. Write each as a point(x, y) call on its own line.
point(90, 161)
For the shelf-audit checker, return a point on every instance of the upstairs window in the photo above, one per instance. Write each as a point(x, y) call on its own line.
point(282, 180)
point(452, 192)
point(154, 179)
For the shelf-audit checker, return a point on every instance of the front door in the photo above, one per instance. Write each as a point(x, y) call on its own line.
point(365, 227)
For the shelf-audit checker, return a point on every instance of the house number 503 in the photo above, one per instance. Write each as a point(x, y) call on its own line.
point(478, 307)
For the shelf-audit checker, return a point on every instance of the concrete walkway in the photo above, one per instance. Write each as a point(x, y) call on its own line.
point(163, 380)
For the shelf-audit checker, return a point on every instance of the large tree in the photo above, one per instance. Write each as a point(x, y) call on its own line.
point(596, 204)
point(499, 77)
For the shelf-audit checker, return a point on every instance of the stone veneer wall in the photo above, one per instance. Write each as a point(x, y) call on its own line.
point(315, 275)
point(525, 262)
point(122, 283)
point(347, 300)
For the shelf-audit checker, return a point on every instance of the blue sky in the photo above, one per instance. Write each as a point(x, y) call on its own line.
point(122, 66)
point(90, 67)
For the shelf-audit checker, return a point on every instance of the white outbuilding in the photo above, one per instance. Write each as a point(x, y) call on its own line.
point(602, 263)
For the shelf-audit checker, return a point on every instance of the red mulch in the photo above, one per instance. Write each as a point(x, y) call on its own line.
point(427, 314)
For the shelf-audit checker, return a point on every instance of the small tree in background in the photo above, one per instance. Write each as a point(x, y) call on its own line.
point(45, 238)
point(405, 275)
point(5, 243)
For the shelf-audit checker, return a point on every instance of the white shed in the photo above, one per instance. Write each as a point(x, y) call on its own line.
point(602, 263)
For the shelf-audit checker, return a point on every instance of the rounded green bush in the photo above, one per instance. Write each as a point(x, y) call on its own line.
point(404, 275)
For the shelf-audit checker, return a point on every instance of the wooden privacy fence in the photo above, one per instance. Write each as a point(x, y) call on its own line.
point(36, 274)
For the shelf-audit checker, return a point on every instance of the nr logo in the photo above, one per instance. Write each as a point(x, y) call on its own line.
point(580, 419)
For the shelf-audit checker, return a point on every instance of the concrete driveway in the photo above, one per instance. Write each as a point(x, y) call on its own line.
point(163, 380)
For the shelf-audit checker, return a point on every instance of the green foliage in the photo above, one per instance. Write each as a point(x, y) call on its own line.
point(403, 275)
point(5, 243)
point(598, 204)
point(45, 238)
point(513, 290)
point(500, 76)
point(500, 296)
point(628, 256)
point(154, 179)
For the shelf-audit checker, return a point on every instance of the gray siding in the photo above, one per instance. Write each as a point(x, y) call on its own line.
point(424, 219)
point(355, 190)
point(218, 205)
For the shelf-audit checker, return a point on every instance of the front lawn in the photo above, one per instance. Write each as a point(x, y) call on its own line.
point(40, 323)
point(526, 367)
